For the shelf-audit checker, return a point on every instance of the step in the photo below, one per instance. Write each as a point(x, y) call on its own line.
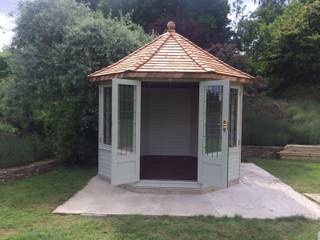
point(166, 186)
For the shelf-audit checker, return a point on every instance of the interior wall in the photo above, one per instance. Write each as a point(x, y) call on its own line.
point(169, 120)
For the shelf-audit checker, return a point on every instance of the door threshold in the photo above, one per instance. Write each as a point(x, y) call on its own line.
point(167, 186)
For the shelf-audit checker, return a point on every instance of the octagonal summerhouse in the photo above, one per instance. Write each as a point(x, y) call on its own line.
point(170, 117)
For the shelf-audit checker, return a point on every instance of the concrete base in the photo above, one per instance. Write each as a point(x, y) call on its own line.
point(313, 196)
point(258, 195)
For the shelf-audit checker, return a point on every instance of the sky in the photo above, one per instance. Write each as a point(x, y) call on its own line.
point(9, 9)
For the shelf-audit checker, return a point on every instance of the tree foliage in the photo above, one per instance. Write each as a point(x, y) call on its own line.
point(292, 53)
point(56, 45)
point(4, 64)
point(202, 21)
point(282, 42)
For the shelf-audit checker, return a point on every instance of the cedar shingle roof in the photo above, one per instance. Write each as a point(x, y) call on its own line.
point(170, 56)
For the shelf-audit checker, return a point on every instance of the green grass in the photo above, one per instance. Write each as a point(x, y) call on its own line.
point(26, 205)
point(303, 176)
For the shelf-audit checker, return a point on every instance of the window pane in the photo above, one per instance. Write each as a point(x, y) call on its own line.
point(107, 110)
point(127, 119)
point(213, 119)
point(233, 117)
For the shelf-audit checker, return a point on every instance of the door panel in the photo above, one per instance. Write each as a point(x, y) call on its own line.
point(126, 95)
point(213, 133)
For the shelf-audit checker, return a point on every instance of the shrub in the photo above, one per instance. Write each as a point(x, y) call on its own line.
point(6, 128)
point(15, 151)
point(20, 150)
point(304, 121)
point(57, 44)
point(265, 122)
point(268, 121)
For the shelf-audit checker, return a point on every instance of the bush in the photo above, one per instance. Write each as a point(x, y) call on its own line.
point(57, 44)
point(6, 128)
point(265, 122)
point(16, 151)
point(304, 121)
point(268, 121)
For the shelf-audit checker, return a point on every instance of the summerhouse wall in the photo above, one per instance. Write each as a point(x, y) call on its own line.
point(169, 121)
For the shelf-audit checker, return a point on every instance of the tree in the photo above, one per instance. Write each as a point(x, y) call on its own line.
point(252, 35)
point(57, 44)
point(292, 54)
point(4, 65)
point(202, 21)
point(230, 54)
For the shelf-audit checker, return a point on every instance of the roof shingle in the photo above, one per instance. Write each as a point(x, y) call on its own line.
point(170, 56)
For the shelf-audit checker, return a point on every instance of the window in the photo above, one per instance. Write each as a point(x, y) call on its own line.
point(233, 117)
point(107, 113)
point(213, 119)
point(127, 119)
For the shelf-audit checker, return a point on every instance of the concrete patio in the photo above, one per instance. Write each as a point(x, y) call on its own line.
point(258, 195)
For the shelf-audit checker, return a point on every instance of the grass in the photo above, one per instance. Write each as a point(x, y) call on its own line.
point(26, 205)
point(303, 176)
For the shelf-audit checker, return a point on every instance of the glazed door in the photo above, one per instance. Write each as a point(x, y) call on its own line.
point(213, 133)
point(126, 96)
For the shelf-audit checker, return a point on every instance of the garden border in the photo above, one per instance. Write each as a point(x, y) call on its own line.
point(249, 151)
point(29, 170)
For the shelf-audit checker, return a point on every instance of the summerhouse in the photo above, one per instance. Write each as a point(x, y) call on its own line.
point(170, 116)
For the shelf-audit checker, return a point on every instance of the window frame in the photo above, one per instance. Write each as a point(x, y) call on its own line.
point(121, 151)
point(220, 91)
point(102, 145)
point(239, 116)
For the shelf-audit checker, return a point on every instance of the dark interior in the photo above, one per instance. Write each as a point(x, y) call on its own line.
point(168, 168)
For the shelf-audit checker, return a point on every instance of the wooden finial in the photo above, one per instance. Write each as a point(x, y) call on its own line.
point(171, 26)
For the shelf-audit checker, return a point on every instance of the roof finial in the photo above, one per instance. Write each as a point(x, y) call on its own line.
point(171, 26)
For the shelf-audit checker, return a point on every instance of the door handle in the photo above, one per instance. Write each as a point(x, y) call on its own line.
point(225, 125)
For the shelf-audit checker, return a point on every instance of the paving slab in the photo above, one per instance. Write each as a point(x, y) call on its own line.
point(257, 195)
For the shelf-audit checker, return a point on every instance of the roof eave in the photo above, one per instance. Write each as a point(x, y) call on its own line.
point(171, 75)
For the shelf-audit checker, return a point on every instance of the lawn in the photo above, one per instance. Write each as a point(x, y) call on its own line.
point(303, 176)
point(26, 205)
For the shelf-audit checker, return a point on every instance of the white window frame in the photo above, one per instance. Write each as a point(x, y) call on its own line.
point(101, 116)
point(239, 116)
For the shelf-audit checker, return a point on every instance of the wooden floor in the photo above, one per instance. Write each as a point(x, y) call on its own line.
point(168, 168)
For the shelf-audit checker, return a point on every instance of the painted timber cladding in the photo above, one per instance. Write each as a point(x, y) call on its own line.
point(235, 153)
point(234, 164)
point(105, 153)
point(104, 159)
point(169, 124)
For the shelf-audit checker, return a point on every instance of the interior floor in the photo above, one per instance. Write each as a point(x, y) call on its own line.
point(154, 167)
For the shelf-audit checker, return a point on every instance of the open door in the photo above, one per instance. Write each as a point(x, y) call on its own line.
point(126, 98)
point(213, 133)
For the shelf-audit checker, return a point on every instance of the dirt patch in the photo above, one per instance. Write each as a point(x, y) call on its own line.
point(7, 232)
